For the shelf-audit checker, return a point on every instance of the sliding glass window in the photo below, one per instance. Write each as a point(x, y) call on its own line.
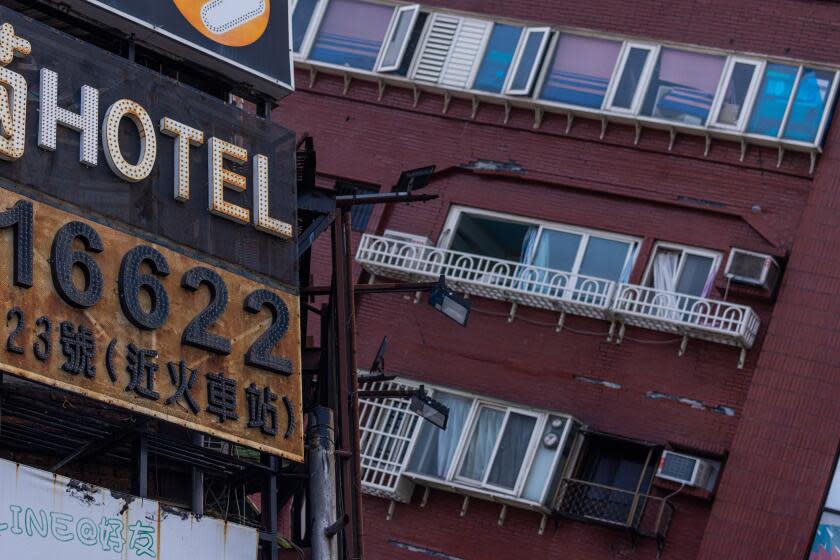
point(498, 56)
point(580, 70)
point(683, 86)
point(351, 33)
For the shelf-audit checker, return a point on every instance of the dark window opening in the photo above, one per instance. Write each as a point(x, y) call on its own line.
point(491, 237)
point(413, 41)
point(611, 481)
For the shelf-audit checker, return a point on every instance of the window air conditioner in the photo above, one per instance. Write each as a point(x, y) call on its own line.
point(755, 269)
point(684, 469)
point(406, 237)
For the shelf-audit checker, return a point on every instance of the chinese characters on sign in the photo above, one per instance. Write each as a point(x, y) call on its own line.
point(145, 340)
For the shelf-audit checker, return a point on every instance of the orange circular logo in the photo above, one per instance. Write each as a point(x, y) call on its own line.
point(234, 23)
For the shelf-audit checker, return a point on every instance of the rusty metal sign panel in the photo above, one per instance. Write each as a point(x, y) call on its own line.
point(45, 516)
point(96, 311)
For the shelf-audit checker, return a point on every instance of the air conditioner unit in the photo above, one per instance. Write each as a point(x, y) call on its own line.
point(755, 269)
point(685, 469)
point(406, 237)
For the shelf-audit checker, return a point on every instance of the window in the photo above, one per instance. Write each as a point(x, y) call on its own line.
point(589, 253)
point(806, 112)
point(772, 100)
point(610, 477)
point(398, 38)
point(304, 13)
point(527, 62)
point(683, 86)
point(580, 71)
point(498, 56)
point(492, 446)
point(634, 68)
point(497, 445)
point(682, 270)
point(412, 45)
point(740, 84)
point(351, 33)
point(435, 448)
point(491, 237)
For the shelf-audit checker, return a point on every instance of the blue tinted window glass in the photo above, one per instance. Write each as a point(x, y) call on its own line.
point(772, 99)
point(351, 33)
point(300, 21)
point(580, 71)
point(527, 61)
point(497, 58)
point(808, 105)
point(631, 76)
point(604, 258)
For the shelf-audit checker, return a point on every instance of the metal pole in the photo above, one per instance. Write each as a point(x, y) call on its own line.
point(197, 502)
point(141, 467)
point(347, 384)
point(269, 508)
point(322, 492)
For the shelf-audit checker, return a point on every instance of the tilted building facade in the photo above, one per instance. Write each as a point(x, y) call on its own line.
point(640, 204)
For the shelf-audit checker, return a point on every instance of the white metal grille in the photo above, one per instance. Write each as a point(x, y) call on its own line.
point(386, 430)
point(464, 53)
point(703, 318)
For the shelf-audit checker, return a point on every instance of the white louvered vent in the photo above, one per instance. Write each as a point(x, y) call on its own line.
point(463, 55)
point(435, 48)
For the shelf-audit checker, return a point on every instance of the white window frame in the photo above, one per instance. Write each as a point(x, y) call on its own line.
point(527, 459)
point(746, 109)
point(644, 79)
point(455, 213)
point(392, 29)
point(826, 110)
point(450, 479)
point(482, 51)
point(312, 28)
point(517, 60)
point(649, 83)
point(716, 257)
point(832, 89)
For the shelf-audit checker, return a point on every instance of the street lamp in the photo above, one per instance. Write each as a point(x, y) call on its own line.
point(450, 303)
point(428, 408)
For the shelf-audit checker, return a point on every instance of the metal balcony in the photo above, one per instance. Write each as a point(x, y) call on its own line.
point(621, 304)
point(487, 277)
point(645, 515)
point(692, 317)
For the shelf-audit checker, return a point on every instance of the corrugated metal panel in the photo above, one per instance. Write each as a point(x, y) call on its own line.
point(435, 49)
point(464, 53)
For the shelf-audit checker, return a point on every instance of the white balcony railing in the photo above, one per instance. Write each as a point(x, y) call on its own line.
point(703, 318)
point(487, 277)
point(544, 288)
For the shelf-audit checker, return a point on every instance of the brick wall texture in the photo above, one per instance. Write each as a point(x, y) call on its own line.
point(780, 444)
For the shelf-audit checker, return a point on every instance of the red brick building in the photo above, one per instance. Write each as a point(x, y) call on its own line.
point(640, 202)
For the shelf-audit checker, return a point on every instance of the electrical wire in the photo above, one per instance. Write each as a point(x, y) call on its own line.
point(571, 330)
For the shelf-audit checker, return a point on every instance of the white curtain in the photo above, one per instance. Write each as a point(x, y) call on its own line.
point(665, 278)
point(482, 443)
point(665, 270)
point(435, 447)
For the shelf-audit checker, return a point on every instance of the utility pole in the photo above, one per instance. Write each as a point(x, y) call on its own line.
point(322, 484)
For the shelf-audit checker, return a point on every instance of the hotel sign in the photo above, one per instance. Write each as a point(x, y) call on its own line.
point(147, 254)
